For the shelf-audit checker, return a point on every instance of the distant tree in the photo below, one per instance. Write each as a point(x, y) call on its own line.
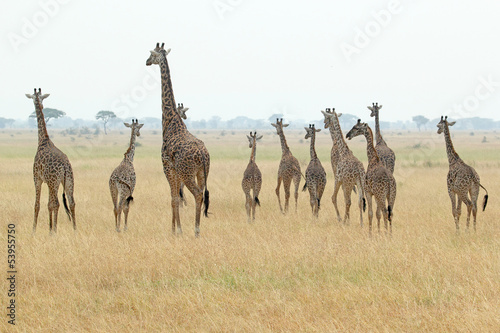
point(420, 121)
point(49, 113)
point(6, 122)
point(105, 116)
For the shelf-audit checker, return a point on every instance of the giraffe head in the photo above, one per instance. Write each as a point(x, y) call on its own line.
point(37, 97)
point(329, 114)
point(181, 110)
point(279, 125)
point(310, 131)
point(374, 109)
point(156, 54)
point(444, 122)
point(135, 126)
point(358, 129)
point(252, 139)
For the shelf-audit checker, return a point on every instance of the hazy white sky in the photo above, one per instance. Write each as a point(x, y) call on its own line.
point(254, 58)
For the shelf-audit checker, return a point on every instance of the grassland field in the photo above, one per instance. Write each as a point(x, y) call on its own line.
point(283, 273)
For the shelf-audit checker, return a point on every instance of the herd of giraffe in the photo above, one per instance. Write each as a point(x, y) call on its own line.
point(186, 162)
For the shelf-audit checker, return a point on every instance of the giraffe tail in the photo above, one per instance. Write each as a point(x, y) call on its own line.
point(65, 203)
point(130, 199)
point(305, 187)
point(485, 199)
point(206, 194)
point(257, 201)
point(389, 213)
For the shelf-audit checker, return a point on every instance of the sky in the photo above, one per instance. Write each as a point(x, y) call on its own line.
point(254, 58)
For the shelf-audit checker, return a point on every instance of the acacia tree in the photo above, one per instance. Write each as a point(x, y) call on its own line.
point(420, 120)
point(105, 116)
point(49, 113)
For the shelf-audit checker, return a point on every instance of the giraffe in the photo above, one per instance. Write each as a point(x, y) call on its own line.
point(122, 180)
point(385, 153)
point(51, 166)
point(289, 168)
point(182, 110)
point(185, 158)
point(252, 178)
point(348, 170)
point(379, 181)
point(461, 179)
point(315, 174)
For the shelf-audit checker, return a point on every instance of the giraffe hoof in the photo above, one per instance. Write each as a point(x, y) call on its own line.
point(118, 230)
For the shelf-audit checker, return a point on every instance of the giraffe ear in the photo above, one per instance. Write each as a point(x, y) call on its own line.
point(167, 52)
point(44, 96)
point(140, 126)
point(285, 125)
point(370, 108)
point(185, 109)
point(274, 125)
point(306, 128)
point(318, 130)
point(380, 107)
point(259, 137)
point(452, 123)
point(127, 124)
point(339, 115)
point(29, 96)
point(249, 138)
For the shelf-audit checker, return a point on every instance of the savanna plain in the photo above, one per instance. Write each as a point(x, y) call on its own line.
point(282, 273)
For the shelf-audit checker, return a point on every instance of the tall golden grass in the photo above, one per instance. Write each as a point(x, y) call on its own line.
point(281, 273)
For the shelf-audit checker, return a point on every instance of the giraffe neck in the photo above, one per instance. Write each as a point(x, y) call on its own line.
point(337, 137)
point(284, 145)
point(370, 148)
point(254, 150)
point(42, 127)
point(169, 110)
point(129, 154)
point(312, 150)
point(377, 130)
point(450, 151)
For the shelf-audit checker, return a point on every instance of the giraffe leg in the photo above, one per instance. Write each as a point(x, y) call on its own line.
point(381, 211)
point(174, 192)
point(286, 187)
point(334, 198)
point(370, 211)
point(360, 201)
point(378, 214)
point(53, 208)
point(463, 197)
point(347, 200)
point(474, 193)
point(455, 212)
point(198, 197)
point(256, 192)
point(114, 197)
point(278, 192)
point(121, 203)
point(125, 214)
point(68, 190)
point(248, 205)
point(71, 203)
point(296, 181)
point(38, 189)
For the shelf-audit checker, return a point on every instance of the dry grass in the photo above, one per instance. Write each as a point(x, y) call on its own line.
point(282, 273)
